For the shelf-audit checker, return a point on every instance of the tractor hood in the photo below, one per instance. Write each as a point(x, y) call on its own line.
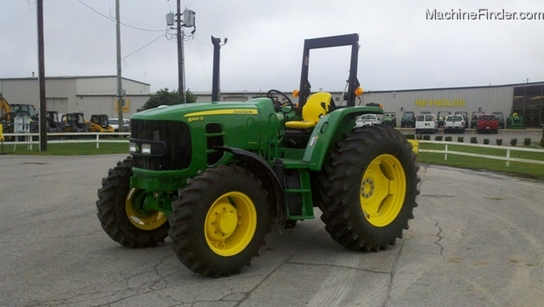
point(199, 109)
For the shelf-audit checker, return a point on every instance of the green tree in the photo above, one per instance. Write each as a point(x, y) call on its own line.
point(191, 98)
point(164, 97)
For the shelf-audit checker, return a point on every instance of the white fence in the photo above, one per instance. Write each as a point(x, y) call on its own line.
point(66, 137)
point(506, 158)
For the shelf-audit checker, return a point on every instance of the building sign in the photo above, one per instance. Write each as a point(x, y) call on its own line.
point(126, 105)
point(440, 103)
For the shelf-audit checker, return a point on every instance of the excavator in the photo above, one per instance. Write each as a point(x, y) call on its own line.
point(8, 112)
point(5, 108)
point(5, 114)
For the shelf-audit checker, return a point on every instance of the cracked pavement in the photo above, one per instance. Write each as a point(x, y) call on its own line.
point(476, 240)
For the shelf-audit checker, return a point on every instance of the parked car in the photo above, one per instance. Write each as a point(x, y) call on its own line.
point(114, 122)
point(408, 119)
point(454, 123)
point(487, 123)
point(500, 118)
point(367, 119)
point(389, 118)
point(474, 120)
point(426, 123)
point(465, 116)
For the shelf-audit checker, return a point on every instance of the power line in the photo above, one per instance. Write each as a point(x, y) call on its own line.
point(202, 61)
point(31, 6)
point(203, 42)
point(113, 19)
point(126, 56)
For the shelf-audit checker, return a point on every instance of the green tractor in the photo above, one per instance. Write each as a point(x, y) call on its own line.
point(515, 121)
point(442, 117)
point(389, 118)
point(217, 177)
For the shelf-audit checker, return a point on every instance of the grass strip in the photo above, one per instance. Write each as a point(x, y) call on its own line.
point(518, 169)
point(68, 149)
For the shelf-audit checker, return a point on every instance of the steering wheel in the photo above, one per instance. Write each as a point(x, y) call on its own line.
point(278, 106)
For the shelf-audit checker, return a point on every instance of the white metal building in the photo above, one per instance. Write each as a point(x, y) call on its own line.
point(97, 95)
point(526, 99)
point(87, 94)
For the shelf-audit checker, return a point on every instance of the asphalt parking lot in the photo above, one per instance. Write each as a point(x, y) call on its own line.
point(476, 240)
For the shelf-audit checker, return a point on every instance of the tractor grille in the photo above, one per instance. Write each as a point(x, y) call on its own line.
point(177, 137)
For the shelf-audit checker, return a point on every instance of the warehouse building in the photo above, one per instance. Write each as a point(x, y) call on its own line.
point(526, 99)
point(97, 95)
point(87, 94)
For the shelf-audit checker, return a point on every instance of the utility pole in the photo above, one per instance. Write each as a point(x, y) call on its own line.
point(216, 59)
point(181, 64)
point(120, 94)
point(41, 78)
point(188, 21)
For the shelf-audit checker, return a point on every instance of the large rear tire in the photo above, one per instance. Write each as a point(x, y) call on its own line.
point(369, 185)
point(220, 221)
point(119, 212)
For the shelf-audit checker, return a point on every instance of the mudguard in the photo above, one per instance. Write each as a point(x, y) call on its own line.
point(332, 128)
point(269, 178)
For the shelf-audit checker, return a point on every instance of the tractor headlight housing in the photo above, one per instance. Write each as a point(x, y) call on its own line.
point(133, 147)
point(147, 148)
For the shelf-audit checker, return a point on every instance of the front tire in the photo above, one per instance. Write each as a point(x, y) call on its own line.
point(119, 213)
point(371, 185)
point(220, 221)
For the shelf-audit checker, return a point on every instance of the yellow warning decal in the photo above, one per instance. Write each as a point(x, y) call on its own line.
point(224, 112)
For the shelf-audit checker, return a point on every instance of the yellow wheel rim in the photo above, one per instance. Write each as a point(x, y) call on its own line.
point(140, 219)
point(230, 223)
point(383, 189)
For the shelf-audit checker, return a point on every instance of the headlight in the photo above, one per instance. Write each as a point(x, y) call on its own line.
point(146, 149)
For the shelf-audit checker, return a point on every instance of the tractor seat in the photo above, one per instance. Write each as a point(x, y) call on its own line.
point(316, 106)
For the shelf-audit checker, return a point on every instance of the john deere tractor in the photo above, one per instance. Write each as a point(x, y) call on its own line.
point(216, 177)
point(515, 121)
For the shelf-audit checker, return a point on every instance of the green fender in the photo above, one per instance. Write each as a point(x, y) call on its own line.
point(332, 128)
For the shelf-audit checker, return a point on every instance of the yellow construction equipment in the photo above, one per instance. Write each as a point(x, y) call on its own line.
point(75, 122)
point(5, 108)
point(100, 123)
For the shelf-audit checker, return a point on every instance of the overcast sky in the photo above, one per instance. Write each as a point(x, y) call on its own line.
point(400, 47)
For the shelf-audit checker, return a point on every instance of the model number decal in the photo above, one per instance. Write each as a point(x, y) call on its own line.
point(195, 118)
point(223, 112)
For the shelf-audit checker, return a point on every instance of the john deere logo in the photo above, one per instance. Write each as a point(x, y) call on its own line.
point(224, 112)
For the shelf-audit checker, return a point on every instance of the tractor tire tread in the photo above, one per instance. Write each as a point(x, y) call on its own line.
point(340, 174)
point(112, 214)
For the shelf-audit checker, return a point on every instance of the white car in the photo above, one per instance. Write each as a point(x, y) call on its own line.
point(114, 122)
point(454, 123)
point(426, 123)
point(367, 120)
